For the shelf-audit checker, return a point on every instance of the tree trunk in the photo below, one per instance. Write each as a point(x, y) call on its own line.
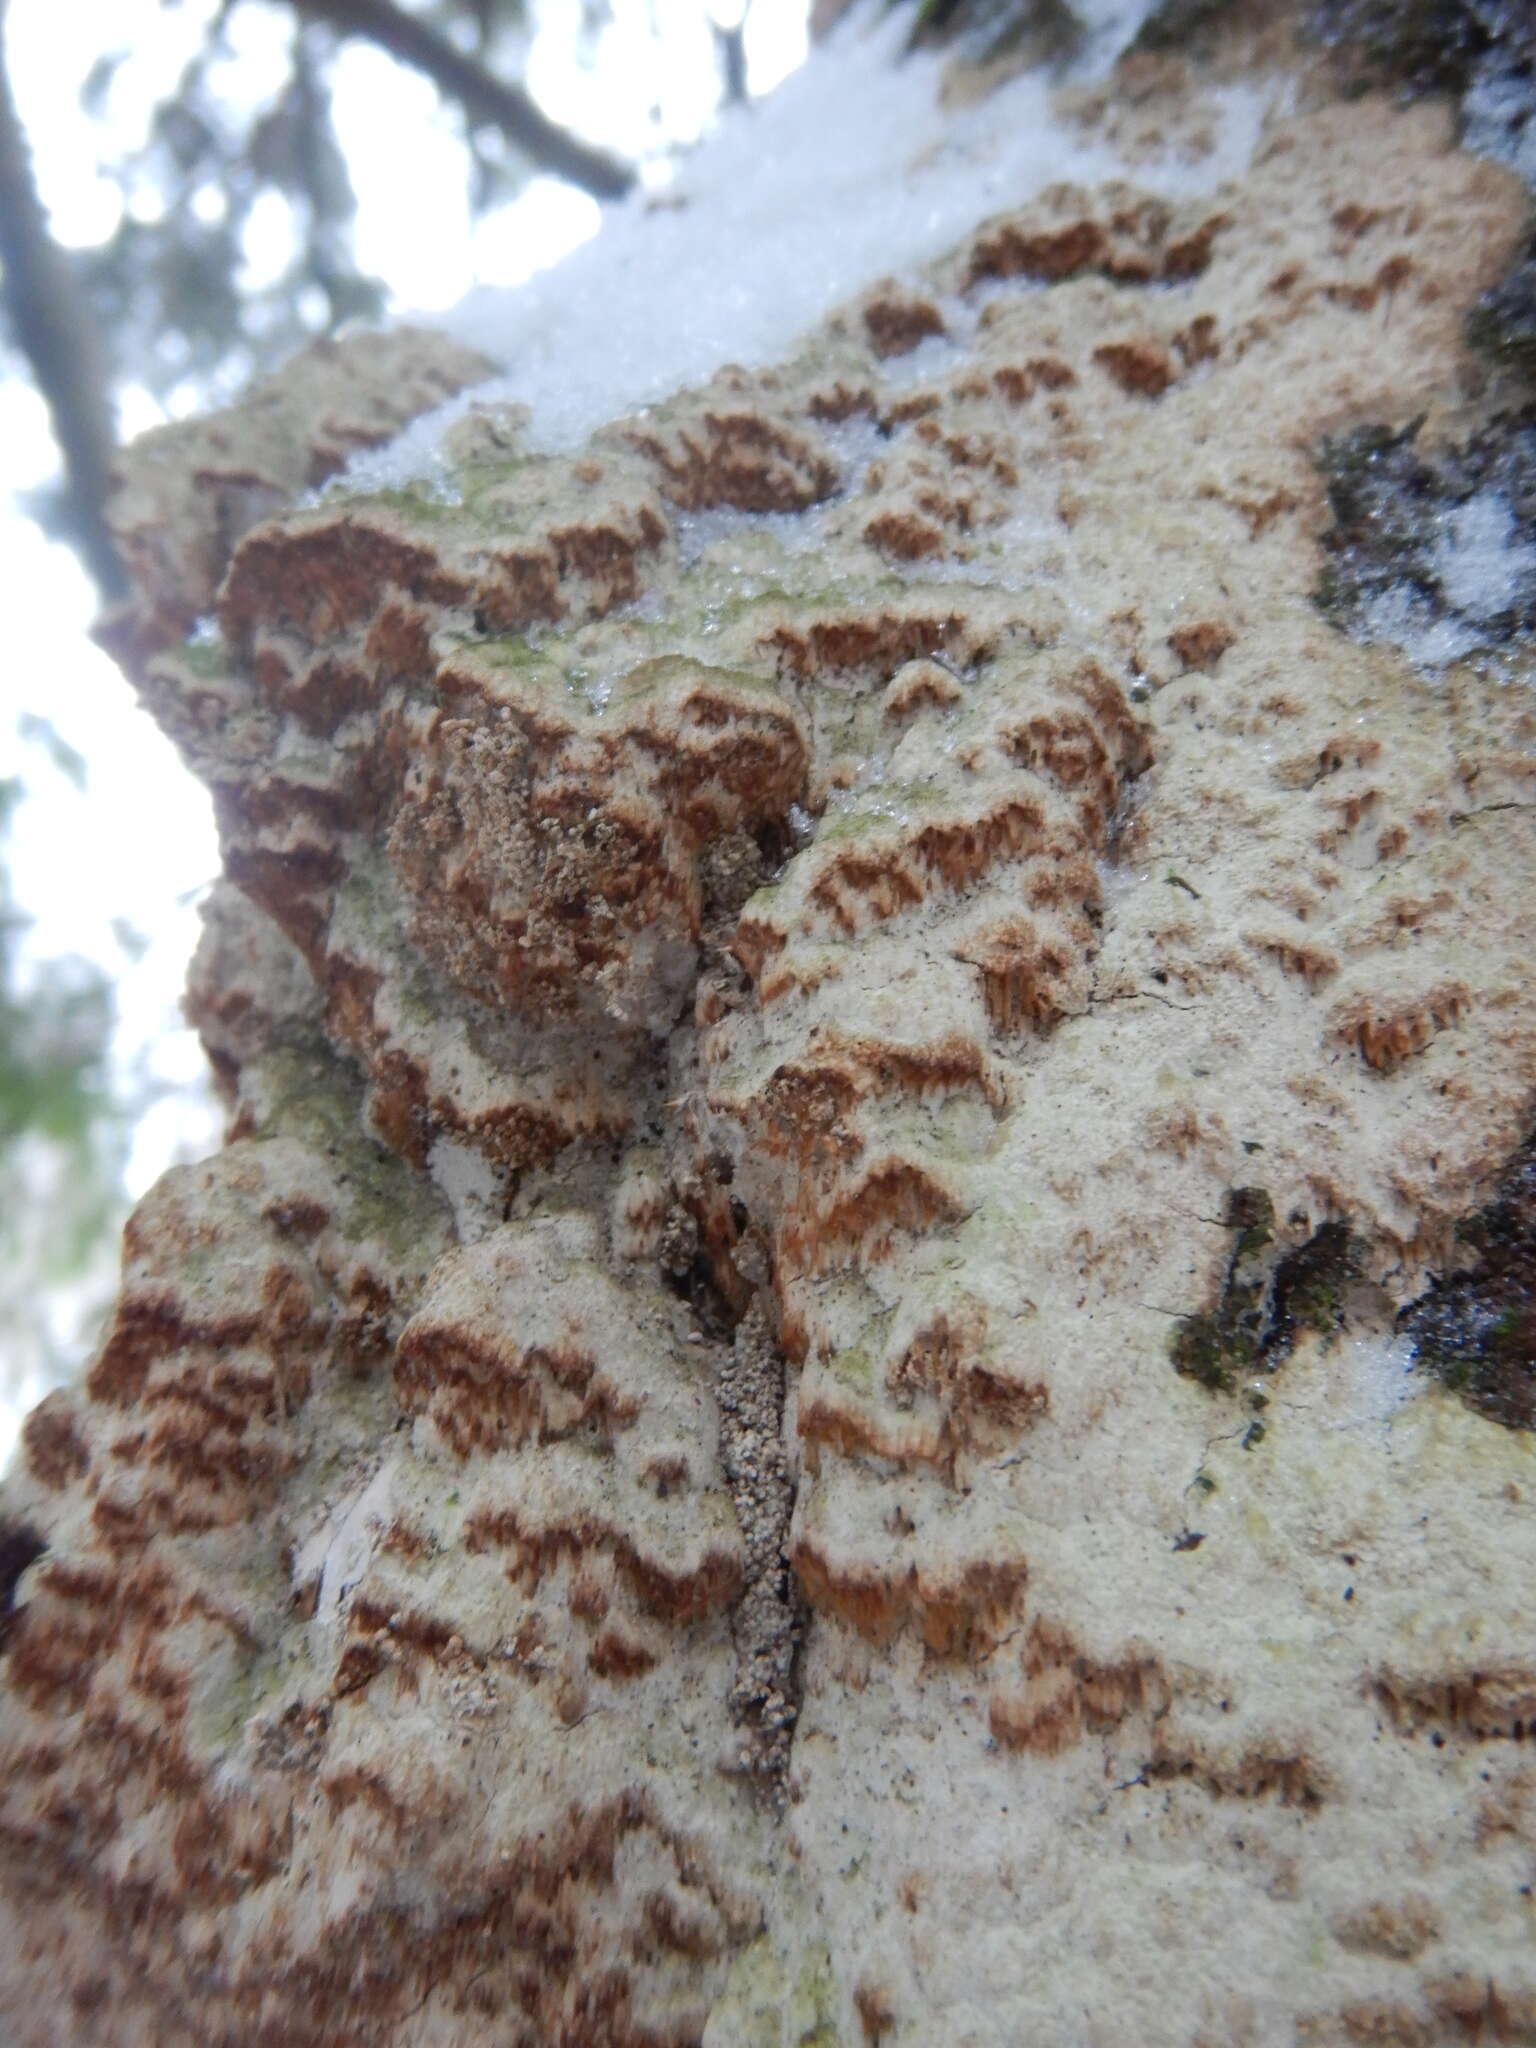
point(780, 1422)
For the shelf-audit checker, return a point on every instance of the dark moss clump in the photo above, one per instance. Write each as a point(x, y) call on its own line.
point(1269, 1297)
point(1502, 325)
point(1046, 31)
point(1307, 1290)
point(1424, 45)
point(1051, 31)
point(1178, 22)
point(1398, 512)
point(1221, 1345)
point(1477, 1331)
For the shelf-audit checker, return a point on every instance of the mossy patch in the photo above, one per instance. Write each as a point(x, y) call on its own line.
point(1307, 1288)
point(1221, 1344)
point(1270, 1297)
point(311, 1094)
point(1476, 1331)
point(418, 500)
point(854, 1367)
point(204, 660)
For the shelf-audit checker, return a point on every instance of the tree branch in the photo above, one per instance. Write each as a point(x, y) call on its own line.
point(55, 329)
point(484, 98)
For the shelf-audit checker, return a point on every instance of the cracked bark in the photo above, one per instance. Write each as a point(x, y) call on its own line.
point(769, 1619)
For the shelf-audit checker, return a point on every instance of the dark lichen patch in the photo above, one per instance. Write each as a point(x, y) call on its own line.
point(1175, 23)
point(1308, 1287)
point(1476, 1331)
point(1427, 538)
point(1383, 503)
point(1221, 1344)
point(1270, 1296)
point(1502, 325)
point(1041, 31)
point(1052, 31)
point(1423, 46)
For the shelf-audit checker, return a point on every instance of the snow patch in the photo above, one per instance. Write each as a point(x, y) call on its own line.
point(1372, 1377)
point(1498, 118)
point(1487, 578)
point(1404, 617)
point(698, 532)
point(1484, 569)
point(850, 172)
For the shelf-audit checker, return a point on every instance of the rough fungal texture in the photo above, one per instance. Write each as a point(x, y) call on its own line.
point(821, 1001)
point(190, 492)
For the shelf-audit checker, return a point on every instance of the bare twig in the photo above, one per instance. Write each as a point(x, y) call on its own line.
point(484, 98)
point(53, 325)
point(731, 48)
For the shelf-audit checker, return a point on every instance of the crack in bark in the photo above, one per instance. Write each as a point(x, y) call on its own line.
point(769, 1619)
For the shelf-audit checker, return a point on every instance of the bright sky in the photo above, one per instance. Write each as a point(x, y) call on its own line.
point(136, 848)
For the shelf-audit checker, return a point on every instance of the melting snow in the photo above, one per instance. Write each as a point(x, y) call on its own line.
point(1498, 120)
point(1487, 577)
point(1403, 617)
point(1484, 569)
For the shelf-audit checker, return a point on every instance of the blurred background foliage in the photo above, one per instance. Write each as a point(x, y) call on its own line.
point(64, 1118)
point(167, 287)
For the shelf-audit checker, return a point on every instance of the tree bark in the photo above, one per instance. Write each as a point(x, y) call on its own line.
point(854, 1028)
